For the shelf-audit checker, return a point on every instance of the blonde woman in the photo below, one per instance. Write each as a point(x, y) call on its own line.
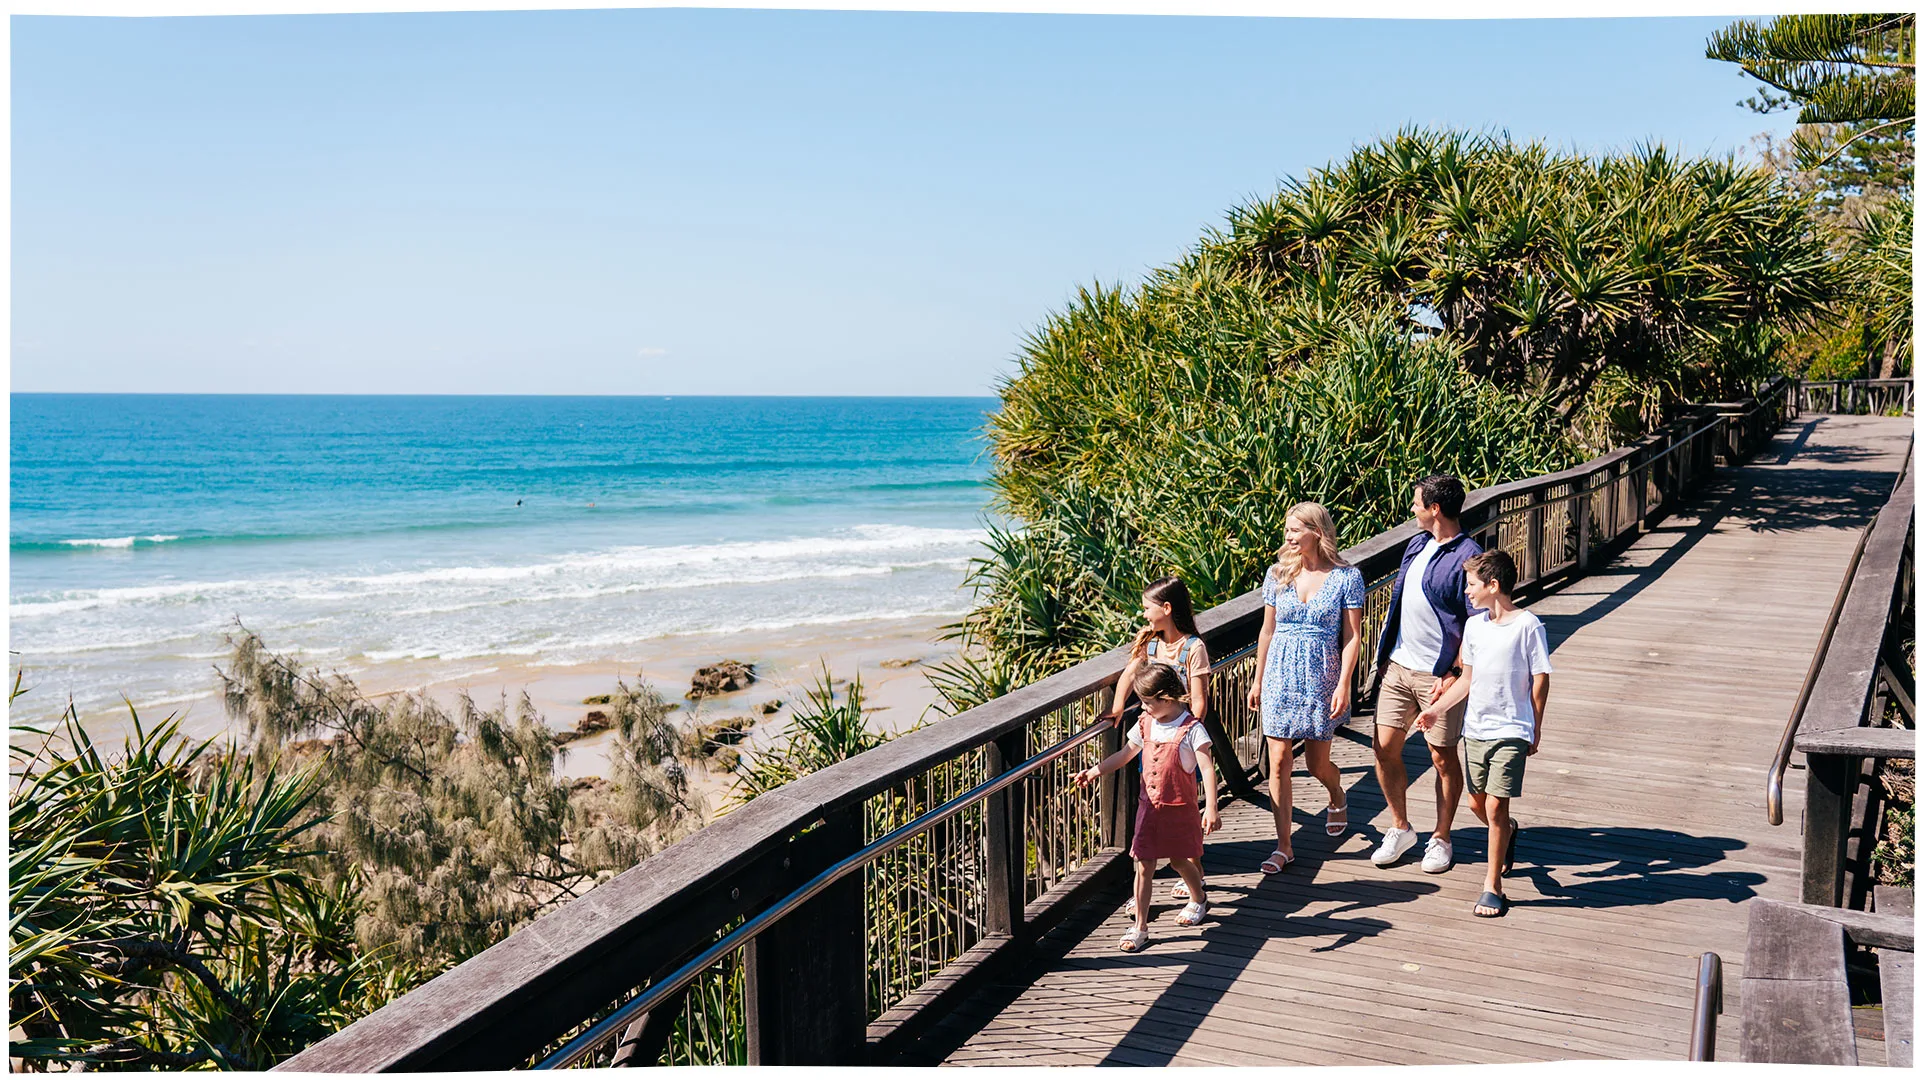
point(1309, 646)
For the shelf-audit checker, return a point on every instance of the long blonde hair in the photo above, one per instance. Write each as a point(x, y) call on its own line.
point(1317, 520)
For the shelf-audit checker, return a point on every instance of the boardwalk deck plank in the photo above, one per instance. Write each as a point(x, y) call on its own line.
point(1677, 666)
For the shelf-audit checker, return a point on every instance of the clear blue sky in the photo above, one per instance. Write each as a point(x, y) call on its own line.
point(689, 201)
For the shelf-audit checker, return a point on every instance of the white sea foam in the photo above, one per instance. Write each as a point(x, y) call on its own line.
point(118, 541)
point(157, 637)
point(864, 550)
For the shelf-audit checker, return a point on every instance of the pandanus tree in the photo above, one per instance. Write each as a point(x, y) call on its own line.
point(160, 911)
point(1550, 270)
point(1436, 302)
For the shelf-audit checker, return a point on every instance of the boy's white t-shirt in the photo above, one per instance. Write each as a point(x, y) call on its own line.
point(1505, 657)
point(1195, 739)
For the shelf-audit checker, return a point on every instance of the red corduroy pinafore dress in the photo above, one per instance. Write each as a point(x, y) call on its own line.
point(1167, 825)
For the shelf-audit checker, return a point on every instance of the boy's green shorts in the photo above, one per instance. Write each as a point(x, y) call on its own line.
point(1496, 767)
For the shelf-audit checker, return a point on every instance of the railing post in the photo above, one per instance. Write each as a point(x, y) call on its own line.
point(1582, 511)
point(1007, 840)
point(1116, 792)
point(1831, 779)
point(1537, 533)
point(806, 984)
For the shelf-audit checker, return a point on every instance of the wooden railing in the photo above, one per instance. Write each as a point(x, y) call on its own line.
point(1874, 397)
point(1858, 673)
point(831, 920)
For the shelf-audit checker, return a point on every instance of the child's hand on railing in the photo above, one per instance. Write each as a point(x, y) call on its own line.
point(1086, 776)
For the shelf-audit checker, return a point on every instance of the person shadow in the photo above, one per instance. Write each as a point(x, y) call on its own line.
point(1245, 921)
point(1605, 867)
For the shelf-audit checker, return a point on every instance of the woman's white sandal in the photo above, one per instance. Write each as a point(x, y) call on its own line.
point(1337, 828)
point(1134, 940)
point(1275, 862)
point(1192, 914)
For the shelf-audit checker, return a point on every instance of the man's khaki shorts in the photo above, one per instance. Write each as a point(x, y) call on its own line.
point(1403, 694)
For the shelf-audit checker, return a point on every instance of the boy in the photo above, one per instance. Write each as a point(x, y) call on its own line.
point(1503, 679)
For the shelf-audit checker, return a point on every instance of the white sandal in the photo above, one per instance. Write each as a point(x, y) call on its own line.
point(1134, 940)
point(1180, 890)
point(1337, 828)
point(1192, 914)
point(1275, 862)
point(1129, 908)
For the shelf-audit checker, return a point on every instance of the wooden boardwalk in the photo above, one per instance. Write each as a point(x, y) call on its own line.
point(1644, 831)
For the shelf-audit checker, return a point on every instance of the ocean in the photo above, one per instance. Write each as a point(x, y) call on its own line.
point(362, 531)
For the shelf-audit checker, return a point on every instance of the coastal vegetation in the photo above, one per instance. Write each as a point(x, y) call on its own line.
point(187, 902)
point(1849, 79)
point(224, 903)
point(1436, 302)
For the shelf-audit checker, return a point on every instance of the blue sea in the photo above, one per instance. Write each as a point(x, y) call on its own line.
point(357, 531)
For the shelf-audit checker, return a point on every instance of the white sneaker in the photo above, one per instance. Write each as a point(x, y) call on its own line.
point(1395, 843)
point(1439, 857)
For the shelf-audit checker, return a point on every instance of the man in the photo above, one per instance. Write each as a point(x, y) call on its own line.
point(1418, 660)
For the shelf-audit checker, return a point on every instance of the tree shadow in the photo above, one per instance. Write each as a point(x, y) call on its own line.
point(1766, 499)
point(1229, 946)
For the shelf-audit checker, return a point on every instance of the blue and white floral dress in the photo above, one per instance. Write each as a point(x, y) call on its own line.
point(1303, 660)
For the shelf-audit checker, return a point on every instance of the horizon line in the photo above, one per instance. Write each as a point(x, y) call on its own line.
point(379, 394)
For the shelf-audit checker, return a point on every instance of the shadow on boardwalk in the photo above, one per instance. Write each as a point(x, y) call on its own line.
point(1776, 503)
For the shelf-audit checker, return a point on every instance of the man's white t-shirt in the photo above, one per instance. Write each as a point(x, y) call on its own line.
point(1504, 657)
point(1196, 738)
point(1418, 646)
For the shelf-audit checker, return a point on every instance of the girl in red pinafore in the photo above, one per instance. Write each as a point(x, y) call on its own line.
point(1170, 824)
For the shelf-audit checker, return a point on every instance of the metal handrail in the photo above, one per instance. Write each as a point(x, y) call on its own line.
point(585, 1042)
point(1777, 773)
point(1582, 491)
point(1707, 1004)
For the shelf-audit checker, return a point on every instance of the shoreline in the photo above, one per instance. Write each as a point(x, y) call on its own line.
point(786, 664)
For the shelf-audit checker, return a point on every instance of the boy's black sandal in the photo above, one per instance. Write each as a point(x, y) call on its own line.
point(1490, 900)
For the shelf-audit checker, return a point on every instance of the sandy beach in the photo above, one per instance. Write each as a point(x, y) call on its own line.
point(888, 656)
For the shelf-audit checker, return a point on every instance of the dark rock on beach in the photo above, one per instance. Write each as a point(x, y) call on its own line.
point(721, 678)
point(723, 733)
point(768, 708)
point(592, 722)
